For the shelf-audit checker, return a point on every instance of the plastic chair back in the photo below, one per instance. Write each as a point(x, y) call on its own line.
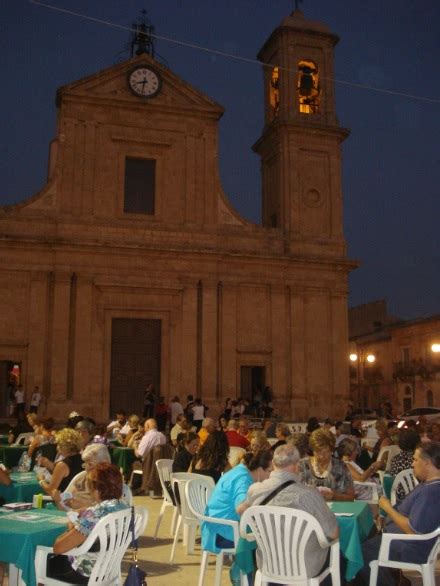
point(282, 535)
point(164, 471)
point(197, 493)
point(406, 481)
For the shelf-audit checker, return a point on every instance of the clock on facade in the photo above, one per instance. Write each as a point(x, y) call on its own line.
point(144, 82)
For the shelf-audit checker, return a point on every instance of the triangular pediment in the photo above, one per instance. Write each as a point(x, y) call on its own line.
point(112, 83)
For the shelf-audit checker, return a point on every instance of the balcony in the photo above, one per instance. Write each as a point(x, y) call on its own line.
point(408, 371)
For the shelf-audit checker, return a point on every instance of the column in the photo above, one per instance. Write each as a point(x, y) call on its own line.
point(188, 344)
point(59, 327)
point(209, 341)
point(82, 343)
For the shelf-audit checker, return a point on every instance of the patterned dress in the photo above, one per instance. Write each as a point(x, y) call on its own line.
point(403, 461)
point(85, 523)
point(337, 478)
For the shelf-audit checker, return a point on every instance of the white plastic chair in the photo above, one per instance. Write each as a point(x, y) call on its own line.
point(404, 480)
point(235, 454)
point(390, 452)
point(164, 471)
point(127, 495)
point(282, 535)
point(195, 498)
point(372, 486)
point(23, 439)
point(427, 570)
point(186, 517)
point(140, 520)
point(114, 535)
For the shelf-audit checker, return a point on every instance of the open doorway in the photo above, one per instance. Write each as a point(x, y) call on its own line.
point(252, 382)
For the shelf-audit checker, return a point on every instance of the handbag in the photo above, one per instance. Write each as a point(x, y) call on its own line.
point(136, 575)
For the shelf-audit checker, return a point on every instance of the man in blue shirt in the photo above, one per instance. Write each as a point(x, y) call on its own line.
point(418, 513)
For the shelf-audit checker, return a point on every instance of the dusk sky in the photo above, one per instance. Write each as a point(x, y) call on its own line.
point(391, 161)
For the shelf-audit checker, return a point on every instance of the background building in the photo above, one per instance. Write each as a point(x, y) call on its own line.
point(406, 365)
point(131, 267)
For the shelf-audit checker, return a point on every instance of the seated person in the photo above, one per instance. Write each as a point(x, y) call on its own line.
point(181, 426)
point(115, 427)
point(295, 495)
point(208, 426)
point(22, 426)
point(235, 439)
point(418, 513)
point(69, 444)
point(348, 451)
point(408, 441)
point(258, 441)
point(212, 457)
point(326, 473)
point(282, 433)
point(79, 492)
point(130, 429)
point(187, 446)
point(106, 482)
point(43, 435)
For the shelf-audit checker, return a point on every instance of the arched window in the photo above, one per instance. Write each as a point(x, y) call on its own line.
point(309, 91)
point(430, 398)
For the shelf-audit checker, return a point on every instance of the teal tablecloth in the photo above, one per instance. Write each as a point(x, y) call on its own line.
point(353, 530)
point(387, 484)
point(123, 458)
point(22, 531)
point(3, 439)
point(24, 486)
point(10, 455)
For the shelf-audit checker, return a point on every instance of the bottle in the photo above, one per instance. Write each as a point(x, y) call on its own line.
point(39, 501)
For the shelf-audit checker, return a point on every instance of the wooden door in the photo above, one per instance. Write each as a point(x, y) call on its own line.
point(135, 362)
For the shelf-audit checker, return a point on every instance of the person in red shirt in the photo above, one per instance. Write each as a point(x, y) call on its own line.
point(234, 438)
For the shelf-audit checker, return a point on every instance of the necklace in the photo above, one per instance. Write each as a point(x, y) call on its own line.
point(317, 472)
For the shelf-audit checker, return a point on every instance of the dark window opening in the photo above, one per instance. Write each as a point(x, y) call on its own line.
point(140, 186)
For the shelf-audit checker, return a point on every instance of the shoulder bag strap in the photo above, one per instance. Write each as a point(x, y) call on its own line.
point(276, 491)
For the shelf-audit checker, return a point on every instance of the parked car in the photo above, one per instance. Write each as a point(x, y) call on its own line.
point(364, 414)
point(429, 413)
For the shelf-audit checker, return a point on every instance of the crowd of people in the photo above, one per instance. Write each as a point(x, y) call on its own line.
point(267, 465)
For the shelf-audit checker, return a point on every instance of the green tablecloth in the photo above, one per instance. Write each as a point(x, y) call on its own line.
point(353, 530)
point(3, 440)
point(10, 455)
point(24, 486)
point(21, 532)
point(123, 458)
point(387, 484)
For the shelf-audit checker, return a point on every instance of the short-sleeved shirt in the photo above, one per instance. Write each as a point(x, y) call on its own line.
point(229, 492)
point(85, 523)
point(402, 461)
point(338, 479)
point(422, 508)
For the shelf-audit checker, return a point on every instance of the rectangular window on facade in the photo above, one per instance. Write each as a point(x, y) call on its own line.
point(140, 186)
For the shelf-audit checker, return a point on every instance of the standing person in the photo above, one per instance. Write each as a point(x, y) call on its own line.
point(161, 414)
point(198, 413)
point(19, 400)
point(149, 401)
point(176, 409)
point(267, 402)
point(189, 408)
point(35, 400)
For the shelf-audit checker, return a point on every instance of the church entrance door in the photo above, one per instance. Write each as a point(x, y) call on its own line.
point(135, 362)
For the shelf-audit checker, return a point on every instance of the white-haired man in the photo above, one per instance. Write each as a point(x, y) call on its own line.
point(151, 438)
point(297, 496)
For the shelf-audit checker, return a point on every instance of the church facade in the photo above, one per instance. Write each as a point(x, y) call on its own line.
point(130, 266)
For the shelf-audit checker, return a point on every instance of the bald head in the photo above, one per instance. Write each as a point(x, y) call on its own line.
point(150, 424)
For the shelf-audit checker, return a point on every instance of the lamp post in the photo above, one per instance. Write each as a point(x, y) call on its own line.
point(359, 358)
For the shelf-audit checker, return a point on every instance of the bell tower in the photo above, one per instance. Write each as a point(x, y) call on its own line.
point(301, 138)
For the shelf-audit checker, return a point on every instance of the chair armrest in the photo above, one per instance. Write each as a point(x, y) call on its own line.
point(387, 538)
point(229, 522)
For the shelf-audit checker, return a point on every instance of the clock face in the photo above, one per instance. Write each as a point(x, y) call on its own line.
point(144, 82)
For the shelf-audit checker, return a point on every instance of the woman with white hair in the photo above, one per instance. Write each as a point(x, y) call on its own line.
point(79, 493)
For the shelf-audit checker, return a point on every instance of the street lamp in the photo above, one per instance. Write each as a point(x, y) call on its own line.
point(359, 358)
point(435, 348)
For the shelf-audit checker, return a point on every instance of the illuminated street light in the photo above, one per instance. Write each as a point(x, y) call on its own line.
point(371, 358)
point(353, 357)
point(435, 348)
